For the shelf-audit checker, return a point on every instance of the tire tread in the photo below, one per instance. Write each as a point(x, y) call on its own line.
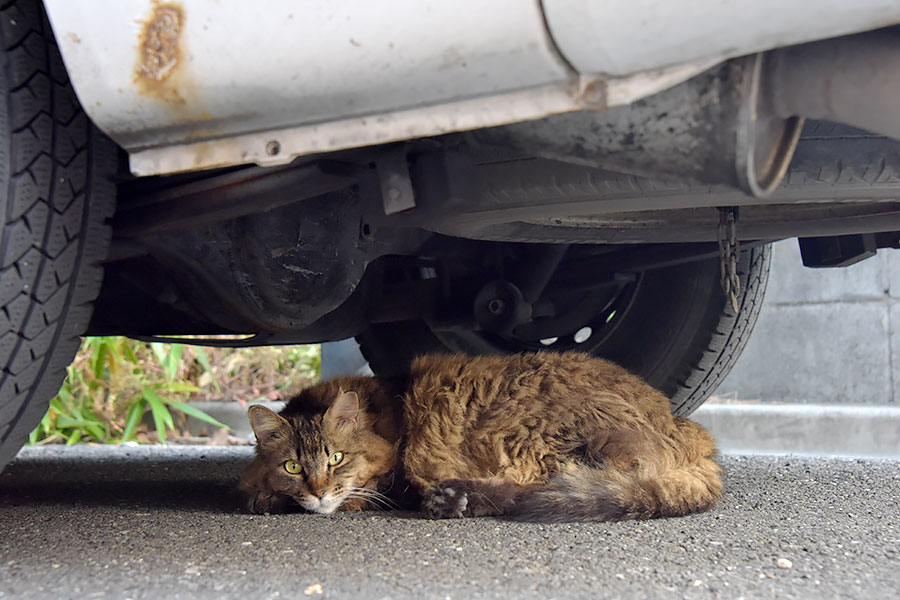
point(59, 196)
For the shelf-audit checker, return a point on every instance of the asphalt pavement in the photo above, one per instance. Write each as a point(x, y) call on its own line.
point(139, 522)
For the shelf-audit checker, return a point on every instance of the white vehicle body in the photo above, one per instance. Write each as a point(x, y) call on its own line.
point(203, 83)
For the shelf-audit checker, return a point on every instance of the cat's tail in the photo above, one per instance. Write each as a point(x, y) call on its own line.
point(606, 493)
point(609, 494)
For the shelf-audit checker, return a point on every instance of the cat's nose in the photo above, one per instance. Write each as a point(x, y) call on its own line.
point(317, 493)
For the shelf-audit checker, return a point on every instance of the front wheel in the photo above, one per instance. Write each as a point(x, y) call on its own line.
point(673, 327)
point(56, 193)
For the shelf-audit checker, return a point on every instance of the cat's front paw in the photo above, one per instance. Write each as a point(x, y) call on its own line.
point(268, 502)
point(447, 500)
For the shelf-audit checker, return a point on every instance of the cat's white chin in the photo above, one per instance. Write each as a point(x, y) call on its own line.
point(324, 506)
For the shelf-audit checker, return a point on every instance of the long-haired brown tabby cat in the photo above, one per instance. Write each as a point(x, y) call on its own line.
point(553, 437)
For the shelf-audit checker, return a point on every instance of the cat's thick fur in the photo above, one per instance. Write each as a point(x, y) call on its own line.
point(544, 436)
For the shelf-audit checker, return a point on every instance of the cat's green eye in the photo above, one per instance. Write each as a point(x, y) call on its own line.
point(292, 467)
point(336, 458)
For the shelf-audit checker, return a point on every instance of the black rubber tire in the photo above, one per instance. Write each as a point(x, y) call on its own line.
point(678, 332)
point(56, 195)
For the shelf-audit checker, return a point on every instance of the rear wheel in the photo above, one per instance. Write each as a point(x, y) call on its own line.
point(56, 193)
point(674, 327)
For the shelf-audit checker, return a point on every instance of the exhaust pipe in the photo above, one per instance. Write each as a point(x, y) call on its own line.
point(853, 80)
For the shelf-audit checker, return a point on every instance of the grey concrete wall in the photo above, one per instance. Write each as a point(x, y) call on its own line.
point(824, 335)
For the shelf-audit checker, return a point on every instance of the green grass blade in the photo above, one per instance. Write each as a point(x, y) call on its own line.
point(181, 387)
point(161, 415)
point(196, 413)
point(128, 351)
point(64, 396)
point(74, 438)
point(75, 412)
point(133, 419)
point(96, 430)
point(159, 349)
point(159, 423)
point(158, 403)
point(174, 359)
point(67, 422)
point(59, 404)
point(47, 424)
point(114, 346)
point(100, 360)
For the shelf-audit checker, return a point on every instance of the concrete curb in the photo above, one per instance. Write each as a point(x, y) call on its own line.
point(859, 431)
point(232, 414)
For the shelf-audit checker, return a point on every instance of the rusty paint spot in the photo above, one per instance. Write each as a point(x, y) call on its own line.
point(163, 72)
point(161, 54)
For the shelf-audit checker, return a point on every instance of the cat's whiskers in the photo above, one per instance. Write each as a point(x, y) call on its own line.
point(377, 502)
point(377, 499)
point(373, 495)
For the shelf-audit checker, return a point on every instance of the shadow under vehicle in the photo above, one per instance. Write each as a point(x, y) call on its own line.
point(480, 177)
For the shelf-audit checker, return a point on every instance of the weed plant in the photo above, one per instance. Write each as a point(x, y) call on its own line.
point(118, 389)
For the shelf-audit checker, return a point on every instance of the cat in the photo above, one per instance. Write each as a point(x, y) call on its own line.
point(540, 437)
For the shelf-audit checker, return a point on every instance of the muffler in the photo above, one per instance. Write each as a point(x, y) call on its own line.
point(717, 128)
point(736, 124)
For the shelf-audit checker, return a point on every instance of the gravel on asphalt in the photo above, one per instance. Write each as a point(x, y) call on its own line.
point(150, 522)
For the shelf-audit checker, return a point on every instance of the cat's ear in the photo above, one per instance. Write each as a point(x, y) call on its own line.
point(266, 424)
point(344, 411)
